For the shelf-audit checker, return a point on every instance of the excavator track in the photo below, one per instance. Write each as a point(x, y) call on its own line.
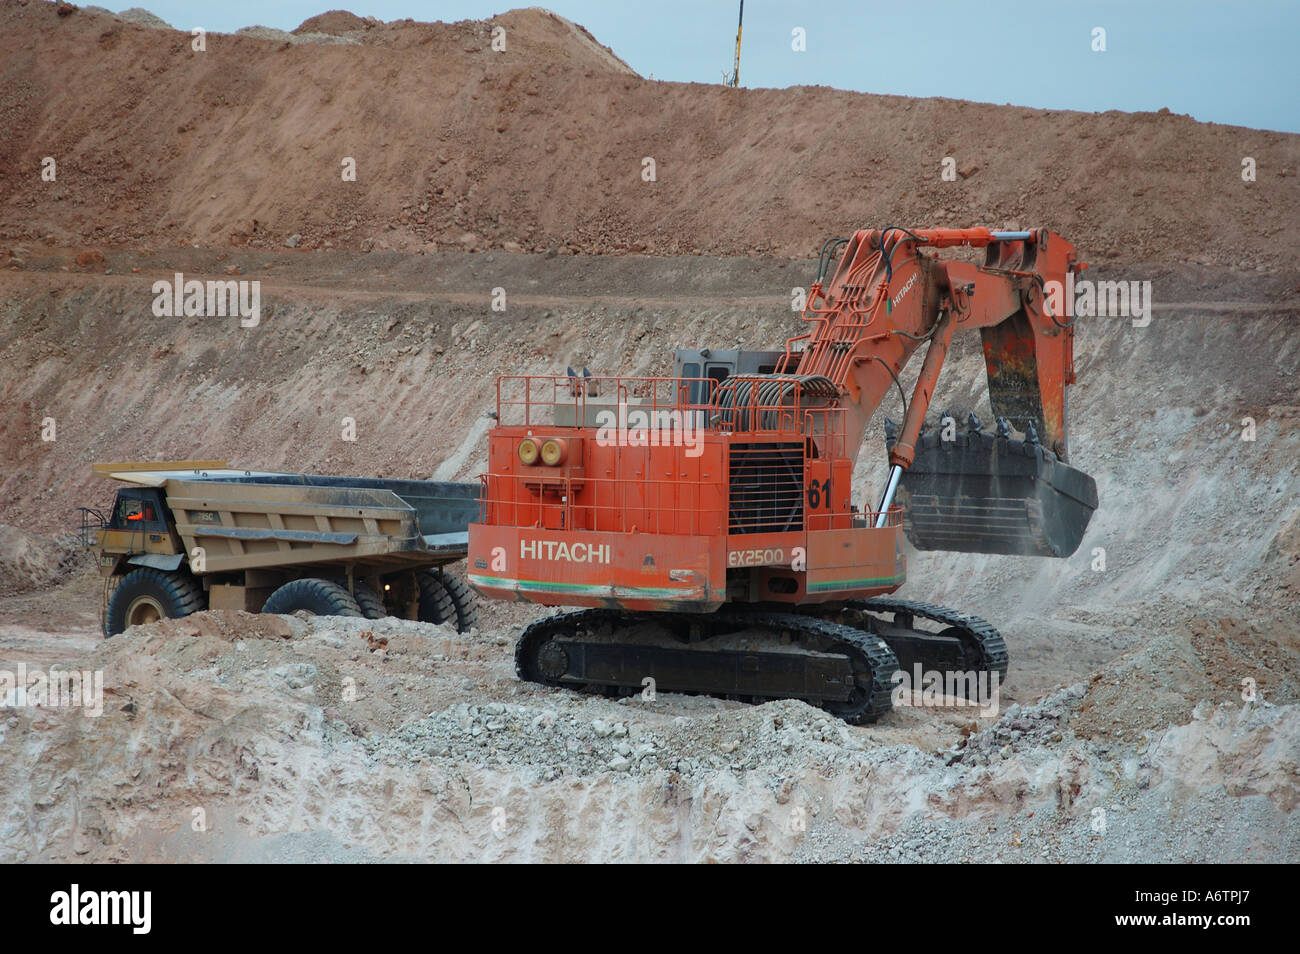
point(973, 642)
point(751, 656)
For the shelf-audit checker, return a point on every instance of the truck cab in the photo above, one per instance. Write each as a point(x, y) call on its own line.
point(140, 531)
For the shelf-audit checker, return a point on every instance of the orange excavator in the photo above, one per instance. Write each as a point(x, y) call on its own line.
point(705, 523)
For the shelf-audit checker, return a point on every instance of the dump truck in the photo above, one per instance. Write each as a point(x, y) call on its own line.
point(184, 536)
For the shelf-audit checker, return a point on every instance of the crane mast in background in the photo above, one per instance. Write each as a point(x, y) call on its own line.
point(734, 81)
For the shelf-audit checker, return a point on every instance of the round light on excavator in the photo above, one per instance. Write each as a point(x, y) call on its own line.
point(554, 451)
point(528, 451)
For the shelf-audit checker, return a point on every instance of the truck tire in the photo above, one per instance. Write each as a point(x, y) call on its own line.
point(370, 603)
point(462, 597)
point(445, 598)
point(318, 597)
point(147, 595)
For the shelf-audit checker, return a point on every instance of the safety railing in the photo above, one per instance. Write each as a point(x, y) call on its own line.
point(828, 427)
point(89, 522)
point(603, 504)
point(867, 518)
point(535, 399)
point(657, 402)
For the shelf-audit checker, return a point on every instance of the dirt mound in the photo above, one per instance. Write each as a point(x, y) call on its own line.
point(27, 561)
point(30, 561)
point(335, 23)
point(144, 18)
point(543, 146)
point(560, 41)
point(1158, 683)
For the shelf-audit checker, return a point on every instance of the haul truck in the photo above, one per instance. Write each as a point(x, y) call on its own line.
point(185, 536)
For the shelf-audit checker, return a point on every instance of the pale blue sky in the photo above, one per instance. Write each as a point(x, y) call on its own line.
point(1224, 62)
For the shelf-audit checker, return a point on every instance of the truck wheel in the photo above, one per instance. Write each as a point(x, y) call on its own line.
point(147, 595)
point(318, 597)
point(462, 597)
point(446, 599)
point(370, 602)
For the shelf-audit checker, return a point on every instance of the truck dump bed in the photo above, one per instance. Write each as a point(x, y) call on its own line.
point(248, 519)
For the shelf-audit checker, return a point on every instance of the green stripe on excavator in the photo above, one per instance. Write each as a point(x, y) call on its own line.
point(579, 588)
point(660, 592)
point(854, 584)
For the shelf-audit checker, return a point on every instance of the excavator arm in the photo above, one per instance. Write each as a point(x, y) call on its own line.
point(890, 295)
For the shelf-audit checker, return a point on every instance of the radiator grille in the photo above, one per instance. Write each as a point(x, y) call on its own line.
point(766, 486)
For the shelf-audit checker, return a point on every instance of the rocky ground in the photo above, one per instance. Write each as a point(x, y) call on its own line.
point(229, 736)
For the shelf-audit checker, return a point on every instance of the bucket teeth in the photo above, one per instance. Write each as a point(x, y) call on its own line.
point(973, 425)
point(1031, 433)
point(1004, 427)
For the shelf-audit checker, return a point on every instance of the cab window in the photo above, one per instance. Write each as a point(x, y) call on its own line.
point(137, 513)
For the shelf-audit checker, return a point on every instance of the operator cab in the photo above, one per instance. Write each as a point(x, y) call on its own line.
point(140, 509)
point(718, 365)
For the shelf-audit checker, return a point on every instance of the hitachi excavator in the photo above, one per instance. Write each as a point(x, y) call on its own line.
point(706, 523)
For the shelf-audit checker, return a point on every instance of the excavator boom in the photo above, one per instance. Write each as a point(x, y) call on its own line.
point(891, 293)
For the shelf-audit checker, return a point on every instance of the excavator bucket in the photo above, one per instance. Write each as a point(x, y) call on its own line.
point(985, 493)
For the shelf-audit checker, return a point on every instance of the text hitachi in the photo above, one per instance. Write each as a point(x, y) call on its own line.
point(568, 552)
